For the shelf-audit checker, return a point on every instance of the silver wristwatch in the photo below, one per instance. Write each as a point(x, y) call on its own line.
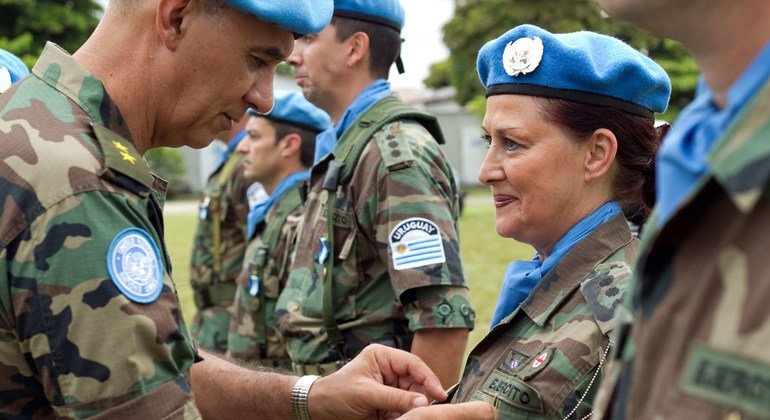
point(299, 397)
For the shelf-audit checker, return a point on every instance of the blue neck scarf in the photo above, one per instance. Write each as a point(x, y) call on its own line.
point(258, 213)
point(230, 147)
point(522, 276)
point(683, 157)
point(325, 141)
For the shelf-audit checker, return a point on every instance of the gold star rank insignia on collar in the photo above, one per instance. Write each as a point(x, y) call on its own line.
point(124, 153)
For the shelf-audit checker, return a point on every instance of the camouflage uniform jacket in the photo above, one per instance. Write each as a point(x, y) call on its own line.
point(401, 179)
point(225, 204)
point(696, 341)
point(253, 331)
point(544, 360)
point(72, 344)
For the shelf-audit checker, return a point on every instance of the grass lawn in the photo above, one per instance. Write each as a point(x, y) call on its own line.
point(485, 256)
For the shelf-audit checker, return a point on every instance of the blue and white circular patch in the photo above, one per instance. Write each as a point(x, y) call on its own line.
point(133, 261)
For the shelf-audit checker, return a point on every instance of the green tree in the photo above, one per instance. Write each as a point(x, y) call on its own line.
point(26, 25)
point(168, 163)
point(478, 21)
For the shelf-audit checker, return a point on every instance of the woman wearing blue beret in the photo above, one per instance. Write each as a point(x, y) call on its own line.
point(570, 127)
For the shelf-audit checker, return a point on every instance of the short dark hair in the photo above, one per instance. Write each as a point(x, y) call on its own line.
point(638, 142)
point(307, 147)
point(384, 42)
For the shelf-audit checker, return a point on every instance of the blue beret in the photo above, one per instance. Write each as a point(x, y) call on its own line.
point(582, 66)
point(385, 12)
point(292, 108)
point(299, 16)
point(12, 69)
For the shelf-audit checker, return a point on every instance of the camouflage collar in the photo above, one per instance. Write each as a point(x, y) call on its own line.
point(567, 275)
point(59, 70)
point(740, 160)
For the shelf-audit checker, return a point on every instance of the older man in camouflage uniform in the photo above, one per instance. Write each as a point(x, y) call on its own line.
point(277, 152)
point(381, 259)
point(695, 340)
point(89, 317)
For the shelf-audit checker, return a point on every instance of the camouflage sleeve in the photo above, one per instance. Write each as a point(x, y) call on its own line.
point(415, 212)
point(73, 345)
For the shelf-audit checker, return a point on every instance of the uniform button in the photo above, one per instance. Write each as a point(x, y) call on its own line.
point(444, 309)
point(395, 153)
point(393, 144)
point(465, 310)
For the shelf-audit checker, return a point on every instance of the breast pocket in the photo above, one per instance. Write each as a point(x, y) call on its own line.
point(550, 380)
point(346, 268)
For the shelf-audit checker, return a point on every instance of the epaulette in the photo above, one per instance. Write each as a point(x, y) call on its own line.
point(123, 165)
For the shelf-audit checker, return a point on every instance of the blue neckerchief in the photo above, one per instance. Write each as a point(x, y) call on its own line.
point(258, 213)
point(522, 276)
point(230, 147)
point(325, 141)
point(683, 157)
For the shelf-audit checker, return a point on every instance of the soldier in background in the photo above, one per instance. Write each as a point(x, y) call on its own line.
point(220, 242)
point(12, 69)
point(277, 152)
point(379, 260)
point(693, 341)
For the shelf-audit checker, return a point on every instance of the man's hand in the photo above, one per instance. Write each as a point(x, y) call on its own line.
point(379, 380)
point(476, 410)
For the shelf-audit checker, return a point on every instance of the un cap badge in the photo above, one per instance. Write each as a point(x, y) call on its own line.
point(5, 79)
point(522, 56)
point(134, 264)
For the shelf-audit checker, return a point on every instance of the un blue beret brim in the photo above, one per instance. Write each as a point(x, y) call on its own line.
point(580, 66)
point(292, 108)
point(301, 17)
point(385, 12)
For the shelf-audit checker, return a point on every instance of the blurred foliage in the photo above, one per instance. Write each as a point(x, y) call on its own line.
point(168, 163)
point(477, 21)
point(26, 25)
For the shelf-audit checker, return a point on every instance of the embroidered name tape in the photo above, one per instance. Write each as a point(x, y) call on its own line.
point(134, 264)
point(416, 242)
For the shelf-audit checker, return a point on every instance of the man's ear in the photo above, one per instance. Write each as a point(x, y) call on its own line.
point(290, 145)
point(169, 21)
point(357, 48)
point(601, 152)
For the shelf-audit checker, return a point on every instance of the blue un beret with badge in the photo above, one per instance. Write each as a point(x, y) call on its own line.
point(385, 12)
point(12, 69)
point(581, 66)
point(292, 108)
point(299, 16)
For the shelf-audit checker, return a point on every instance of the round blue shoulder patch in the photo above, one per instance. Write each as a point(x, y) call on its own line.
point(134, 263)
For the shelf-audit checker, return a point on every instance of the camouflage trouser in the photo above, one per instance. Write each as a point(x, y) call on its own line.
point(209, 328)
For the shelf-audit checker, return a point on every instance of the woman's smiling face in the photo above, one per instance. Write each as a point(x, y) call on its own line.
point(536, 173)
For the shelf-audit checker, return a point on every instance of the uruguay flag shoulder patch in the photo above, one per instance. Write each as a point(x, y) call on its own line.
point(416, 242)
point(134, 264)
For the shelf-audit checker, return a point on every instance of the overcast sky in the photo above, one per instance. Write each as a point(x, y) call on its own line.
point(422, 32)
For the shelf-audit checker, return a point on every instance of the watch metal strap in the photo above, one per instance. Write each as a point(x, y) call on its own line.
point(299, 393)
